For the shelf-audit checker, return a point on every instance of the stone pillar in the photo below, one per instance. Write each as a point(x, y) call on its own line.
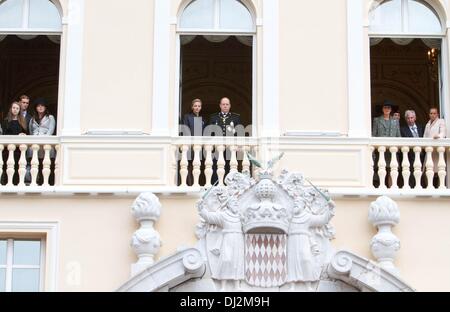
point(384, 214)
point(145, 241)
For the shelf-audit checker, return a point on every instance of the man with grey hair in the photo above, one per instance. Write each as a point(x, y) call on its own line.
point(411, 130)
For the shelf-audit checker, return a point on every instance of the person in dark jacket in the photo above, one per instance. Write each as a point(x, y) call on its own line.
point(194, 121)
point(14, 123)
point(225, 119)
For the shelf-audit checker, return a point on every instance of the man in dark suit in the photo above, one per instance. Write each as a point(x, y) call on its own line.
point(411, 130)
point(225, 119)
point(24, 102)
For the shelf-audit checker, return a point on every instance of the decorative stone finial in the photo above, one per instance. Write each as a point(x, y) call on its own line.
point(384, 214)
point(145, 241)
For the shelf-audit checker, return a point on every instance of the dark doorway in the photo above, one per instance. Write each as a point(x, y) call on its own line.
point(406, 75)
point(29, 67)
point(213, 67)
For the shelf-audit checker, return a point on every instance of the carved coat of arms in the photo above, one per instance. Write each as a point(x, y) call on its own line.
point(265, 233)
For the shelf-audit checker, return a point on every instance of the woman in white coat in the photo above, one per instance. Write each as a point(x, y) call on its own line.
point(435, 129)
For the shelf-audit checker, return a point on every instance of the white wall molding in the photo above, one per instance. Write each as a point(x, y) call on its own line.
point(73, 68)
point(270, 110)
point(357, 126)
point(161, 68)
point(51, 229)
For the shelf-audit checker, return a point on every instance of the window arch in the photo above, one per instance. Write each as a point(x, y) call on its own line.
point(217, 16)
point(29, 16)
point(405, 17)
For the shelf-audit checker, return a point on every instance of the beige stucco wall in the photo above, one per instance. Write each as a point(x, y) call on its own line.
point(95, 233)
point(313, 60)
point(117, 65)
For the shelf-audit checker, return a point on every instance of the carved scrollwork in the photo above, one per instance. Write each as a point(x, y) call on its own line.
point(193, 261)
point(341, 263)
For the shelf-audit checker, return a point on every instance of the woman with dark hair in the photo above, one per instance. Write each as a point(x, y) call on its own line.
point(14, 123)
point(42, 122)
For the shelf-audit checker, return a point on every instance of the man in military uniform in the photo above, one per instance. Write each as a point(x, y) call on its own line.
point(226, 119)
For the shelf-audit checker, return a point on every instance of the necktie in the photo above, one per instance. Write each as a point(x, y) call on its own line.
point(415, 134)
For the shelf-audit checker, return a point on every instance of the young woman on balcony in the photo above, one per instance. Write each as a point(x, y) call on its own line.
point(42, 122)
point(14, 123)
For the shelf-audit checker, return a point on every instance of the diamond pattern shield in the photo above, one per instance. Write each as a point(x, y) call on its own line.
point(265, 260)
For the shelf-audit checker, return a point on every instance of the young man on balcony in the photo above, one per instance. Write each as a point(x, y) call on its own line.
point(24, 102)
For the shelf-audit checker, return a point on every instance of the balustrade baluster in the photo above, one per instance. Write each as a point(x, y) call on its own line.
point(417, 167)
point(220, 164)
point(57, 160)
point(1, 160)
point(46, 165)
point(233, 159)
point(10, 163)
point(22, 164)
point(245, 160)
point(34, 164)
point(429, 165)
point(175, 149)
point(208, 164)
point(406, 173)
point(394, 166)
point(184, 165)
point(442, 167)
point(382, 167)
point(196, 164)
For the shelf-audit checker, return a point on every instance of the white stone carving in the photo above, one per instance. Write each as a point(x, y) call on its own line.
point(226, 243)
point(302, 247)
point(244, 243)
point(145, 241)
point(384, 214)
point(271, 231)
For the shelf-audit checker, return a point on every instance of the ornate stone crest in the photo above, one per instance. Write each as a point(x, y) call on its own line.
point(267, 232)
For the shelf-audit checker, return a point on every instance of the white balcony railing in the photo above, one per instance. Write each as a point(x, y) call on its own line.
point(29, 161)
point(201, 161)
point(410, 163)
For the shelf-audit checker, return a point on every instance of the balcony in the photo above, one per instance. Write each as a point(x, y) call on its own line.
point(132, 164)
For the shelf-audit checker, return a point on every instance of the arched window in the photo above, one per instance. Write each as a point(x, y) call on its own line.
point(217, 15)
point(405, 57)
point(30, 36)
point(29, 16)
point(216, 58)
point(405, 17)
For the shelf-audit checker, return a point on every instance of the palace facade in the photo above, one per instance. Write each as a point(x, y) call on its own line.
point(306, 77)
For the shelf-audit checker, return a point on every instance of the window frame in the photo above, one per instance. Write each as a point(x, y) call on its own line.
point(49, 231)
point(444, 59)
point(26, 30)
point(219, 32)
point(358, 68)
point(10, 266)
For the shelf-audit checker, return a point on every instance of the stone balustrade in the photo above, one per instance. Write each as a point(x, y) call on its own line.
point(29, 161)
point(410, 163)
point(203, 161)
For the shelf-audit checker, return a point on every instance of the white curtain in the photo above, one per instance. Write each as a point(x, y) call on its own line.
point(402, 41)
point(429, 42)
point(375, 41)
point(27, 37)
point(245, 40)
point(432, 43)
point(215, 39)
point(55, 39)
point(186, 39)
